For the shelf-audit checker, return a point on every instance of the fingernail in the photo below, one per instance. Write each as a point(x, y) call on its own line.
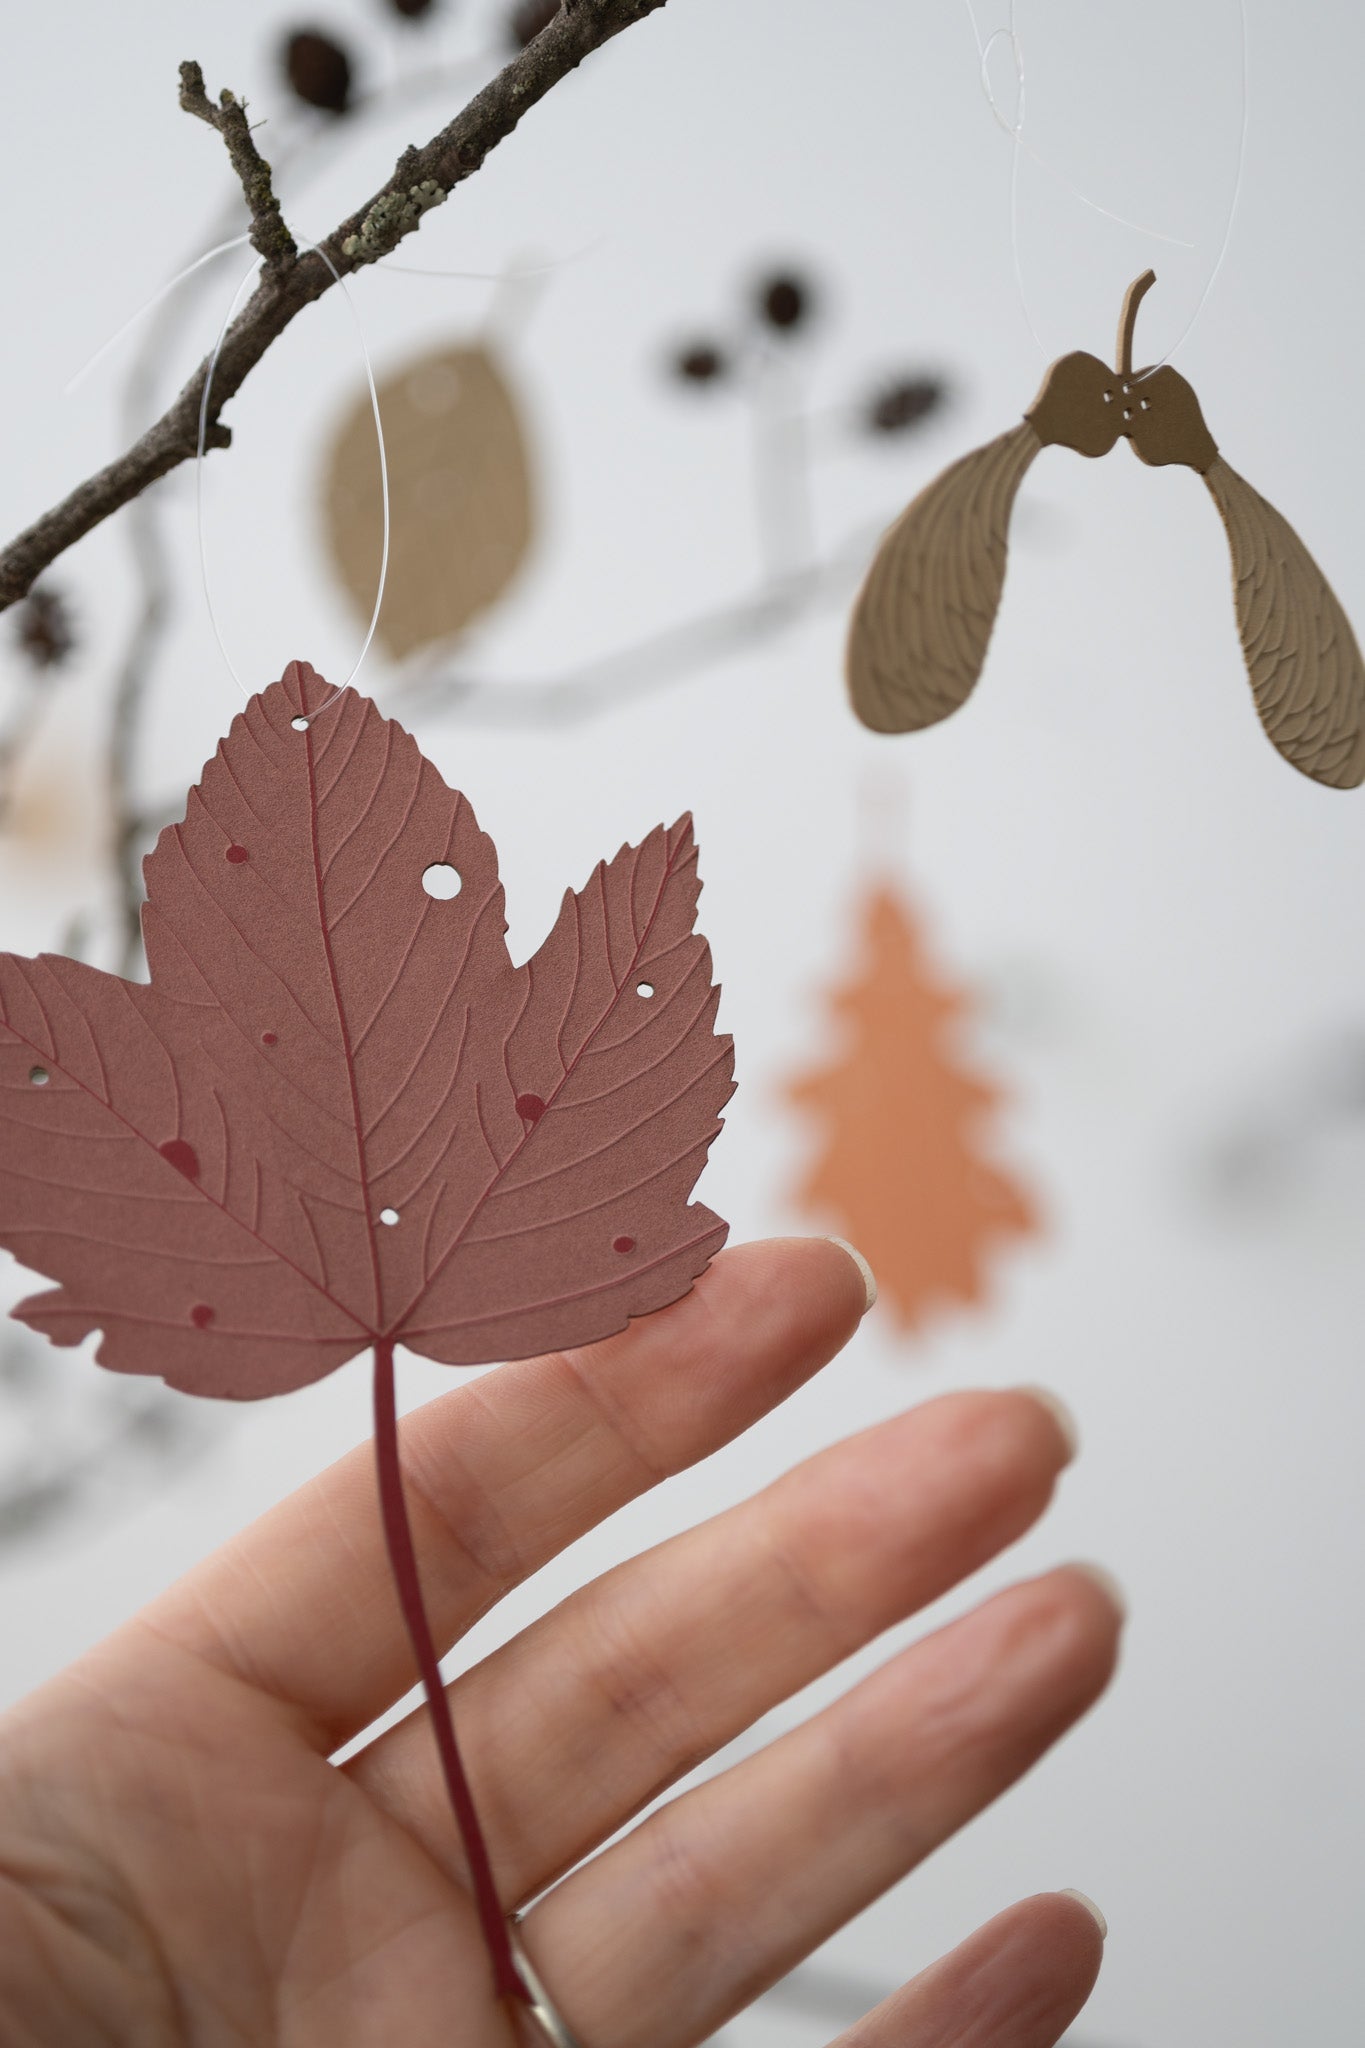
point(1106, 1582)
point(1091, 1908)
point(868, 1276)
point(1061, 1415)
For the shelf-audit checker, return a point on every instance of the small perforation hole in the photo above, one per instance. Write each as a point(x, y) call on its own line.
point(442, 880)
point(1109, 398)
point(644, 988)
point(299, 724)
point(389, 1216)
point(39, 1077)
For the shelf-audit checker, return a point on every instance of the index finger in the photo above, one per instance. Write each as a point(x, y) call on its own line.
point(500, 1475)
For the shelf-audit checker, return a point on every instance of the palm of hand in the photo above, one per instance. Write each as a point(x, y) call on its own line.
point(180, 1862)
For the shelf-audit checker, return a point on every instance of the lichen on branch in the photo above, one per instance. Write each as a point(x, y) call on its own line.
point(393, 215)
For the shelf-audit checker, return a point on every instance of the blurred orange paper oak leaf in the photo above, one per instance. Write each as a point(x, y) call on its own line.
point(902, 1168)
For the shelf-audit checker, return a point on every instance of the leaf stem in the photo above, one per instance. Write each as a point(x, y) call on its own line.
point(1132, 299)
point(403, 1563)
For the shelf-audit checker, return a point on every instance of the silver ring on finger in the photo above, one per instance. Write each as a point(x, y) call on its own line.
point(541, 2007)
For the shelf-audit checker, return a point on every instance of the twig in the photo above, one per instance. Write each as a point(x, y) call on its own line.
point(52, 1469)
point(781, 466)
point(625, 675)
point(133, 826)
point(127, 826)
point(284, 289)
point(15, 733)
point(652, 663)
point(788, 591)
point(269, 235)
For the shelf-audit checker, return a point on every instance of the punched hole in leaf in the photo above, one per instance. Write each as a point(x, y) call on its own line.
point(442, 881)
point(644, 988)
point(38, 1077)
point(389, 1216)
point(299, 724)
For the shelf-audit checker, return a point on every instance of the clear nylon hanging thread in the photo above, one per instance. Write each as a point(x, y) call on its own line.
point(1018, 147)
point(199, 479)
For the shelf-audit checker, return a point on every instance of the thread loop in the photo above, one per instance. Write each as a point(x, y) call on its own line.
point(1019, 147)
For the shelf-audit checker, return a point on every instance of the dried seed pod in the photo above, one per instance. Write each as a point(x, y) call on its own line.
point(527, 18)
point(902, 403)
point(44, 628)
point(785, 300)
point(318, 70)
point(700, 363)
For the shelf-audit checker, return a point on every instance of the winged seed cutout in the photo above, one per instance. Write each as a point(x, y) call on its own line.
point(338, 1115)
point(923, 619)
point(927, 609)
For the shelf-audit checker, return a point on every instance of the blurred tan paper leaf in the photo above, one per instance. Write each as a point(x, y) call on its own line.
point(903, 1169)
point(460, 500)
point(53, 804)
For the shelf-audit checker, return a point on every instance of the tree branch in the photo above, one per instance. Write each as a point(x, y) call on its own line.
point(269, 235)
point(286, 287)
point(676, 654)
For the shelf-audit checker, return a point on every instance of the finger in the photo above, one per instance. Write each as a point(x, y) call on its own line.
point(661, 1938)
point(572, 1727)
point(1018, 1982)
point(500, 1475)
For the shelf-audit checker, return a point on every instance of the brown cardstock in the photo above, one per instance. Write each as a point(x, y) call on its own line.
point(460, 497)
point(208, 1164)
point(922, 621)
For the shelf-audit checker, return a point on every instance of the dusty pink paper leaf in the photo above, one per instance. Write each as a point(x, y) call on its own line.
point(338, 1113)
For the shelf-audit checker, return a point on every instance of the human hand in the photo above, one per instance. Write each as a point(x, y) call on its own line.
point(181, 1866)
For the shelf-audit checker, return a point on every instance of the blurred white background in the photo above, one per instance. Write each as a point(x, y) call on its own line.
point(1162, 920)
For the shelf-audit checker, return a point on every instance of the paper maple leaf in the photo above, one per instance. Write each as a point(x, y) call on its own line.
point(338, 1115)
point(903, 1168)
